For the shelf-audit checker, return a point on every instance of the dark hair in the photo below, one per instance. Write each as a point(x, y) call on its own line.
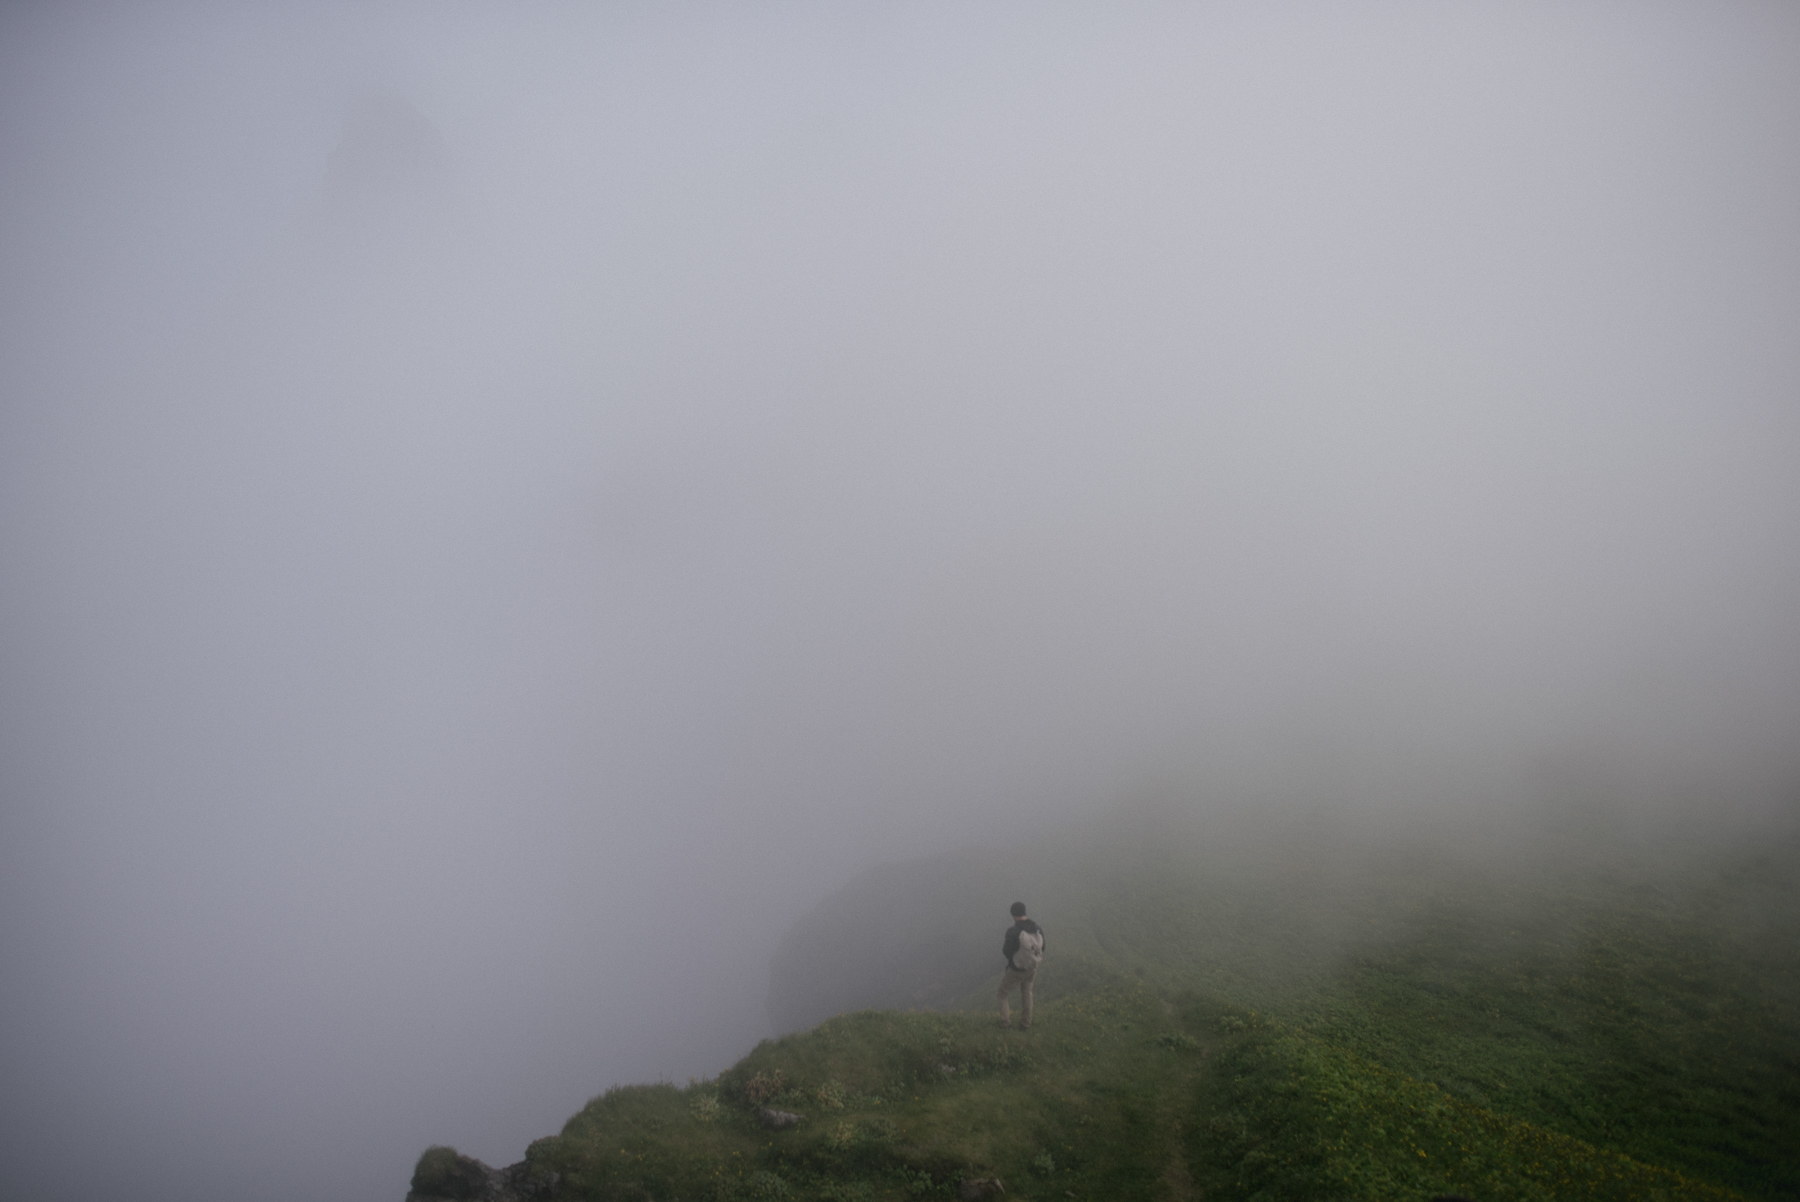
point(1018, 909)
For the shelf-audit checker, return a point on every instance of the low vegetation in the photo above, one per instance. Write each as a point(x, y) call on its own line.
point(1625, 1032)
point(1289, 1115)
point(908, 1105)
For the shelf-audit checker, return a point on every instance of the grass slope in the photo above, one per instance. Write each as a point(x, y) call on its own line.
point(901, 1105)
point(1290, 1022)
point(1287, 1115)
point(1654, 1018)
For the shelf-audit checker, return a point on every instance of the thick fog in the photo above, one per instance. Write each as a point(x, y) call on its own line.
point(502, 508)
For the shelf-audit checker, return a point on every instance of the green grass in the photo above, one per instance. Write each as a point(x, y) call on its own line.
point(1116, 1093)
point(906, 1105)
point(1637, 1026)
point(1648, 1046)
point(1215, 1024)
point(1288, 1115)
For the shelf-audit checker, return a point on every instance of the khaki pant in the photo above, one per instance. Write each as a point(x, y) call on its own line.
point(1023, 980)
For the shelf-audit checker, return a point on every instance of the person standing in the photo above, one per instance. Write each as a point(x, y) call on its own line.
point(1024, 951)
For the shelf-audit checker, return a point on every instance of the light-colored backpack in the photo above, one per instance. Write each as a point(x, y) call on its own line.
point(1030, 953)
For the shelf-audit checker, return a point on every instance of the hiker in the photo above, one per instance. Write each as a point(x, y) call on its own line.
point(1024, 950)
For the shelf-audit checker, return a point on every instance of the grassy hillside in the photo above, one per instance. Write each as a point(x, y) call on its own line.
point(1269, 1016)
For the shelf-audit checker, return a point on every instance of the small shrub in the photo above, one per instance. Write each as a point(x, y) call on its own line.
point(1176, 1041)
point(841, 1137)
point(846, 1191)
point(705, 1107)
point(763, 1087)
point(832, 1095)
point(765, 1186)
point(878, 1131)
point(1043, 1165)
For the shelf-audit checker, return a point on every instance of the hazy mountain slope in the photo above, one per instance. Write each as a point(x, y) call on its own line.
point(1256, 1013)
point(1117, 1093)
point(900, 935)
point(1609, 990)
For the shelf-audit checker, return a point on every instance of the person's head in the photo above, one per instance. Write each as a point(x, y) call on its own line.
point(1018, 910)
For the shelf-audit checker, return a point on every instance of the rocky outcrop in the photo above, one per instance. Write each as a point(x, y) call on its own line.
point(446, 1175)
point(775, 1120)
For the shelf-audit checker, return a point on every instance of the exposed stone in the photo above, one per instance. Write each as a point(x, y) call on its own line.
point(972, 1189)
point(777, 1119)
point(445, 1175)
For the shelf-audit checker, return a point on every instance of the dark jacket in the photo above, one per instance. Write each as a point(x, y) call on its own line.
point(1012, 937)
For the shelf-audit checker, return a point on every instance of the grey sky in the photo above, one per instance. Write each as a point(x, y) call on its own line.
point(455, 618)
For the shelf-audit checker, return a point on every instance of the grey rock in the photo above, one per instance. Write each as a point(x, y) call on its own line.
point(972, 1189)
point(775, 1120)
